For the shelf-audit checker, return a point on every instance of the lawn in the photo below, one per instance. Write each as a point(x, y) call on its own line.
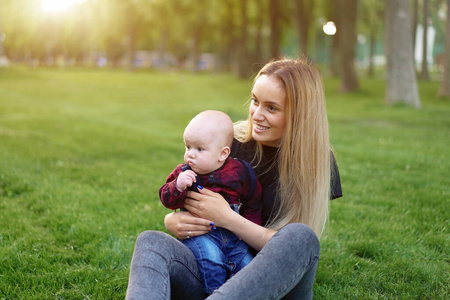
point(84, 152)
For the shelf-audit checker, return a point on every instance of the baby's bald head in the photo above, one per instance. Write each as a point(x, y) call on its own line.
point(212, 124)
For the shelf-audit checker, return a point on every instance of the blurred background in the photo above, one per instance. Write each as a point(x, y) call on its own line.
point(95, 96)
point(212, 35)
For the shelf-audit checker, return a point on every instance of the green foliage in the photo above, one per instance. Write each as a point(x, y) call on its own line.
point(110, 26)
point(83, 154)
point(177, 27)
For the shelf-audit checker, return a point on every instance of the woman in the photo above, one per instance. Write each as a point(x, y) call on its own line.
point(286, 138)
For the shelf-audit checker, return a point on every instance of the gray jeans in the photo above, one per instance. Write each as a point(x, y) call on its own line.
point(163, 268)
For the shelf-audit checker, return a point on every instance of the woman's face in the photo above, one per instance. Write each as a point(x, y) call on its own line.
point(268, 111)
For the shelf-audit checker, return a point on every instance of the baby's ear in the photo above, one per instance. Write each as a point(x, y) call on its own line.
point(224, 153)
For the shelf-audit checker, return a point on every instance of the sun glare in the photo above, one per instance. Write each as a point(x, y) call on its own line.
point(329, 28)
point(58, 5)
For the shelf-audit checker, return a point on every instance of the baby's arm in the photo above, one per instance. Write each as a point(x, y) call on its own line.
point(171, 197)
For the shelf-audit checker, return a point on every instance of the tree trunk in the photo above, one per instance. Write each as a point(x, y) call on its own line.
point(371, 71)
point(444, 90)
point(259, 28)
point(243, 67)
point(334, 53)
point(1, 33)
point(225, 50)
point(401, 82)
point(274, 11)
point(131, 48)
point(424, 75)
point(195, 50)
point(303, 11)
point(349, 81)
point(414, 23)
point(228, 38)
point(163, 49)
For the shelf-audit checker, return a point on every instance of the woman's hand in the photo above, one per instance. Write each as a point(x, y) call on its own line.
point(184, 225)
point(213, 206)
point(209, 205)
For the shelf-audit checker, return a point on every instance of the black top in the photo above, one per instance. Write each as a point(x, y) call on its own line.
point(267, 173)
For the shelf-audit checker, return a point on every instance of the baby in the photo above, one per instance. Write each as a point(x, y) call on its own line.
point(208, 137)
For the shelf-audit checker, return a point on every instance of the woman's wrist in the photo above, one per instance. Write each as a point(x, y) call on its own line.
point(231, 220)
point(253, 234)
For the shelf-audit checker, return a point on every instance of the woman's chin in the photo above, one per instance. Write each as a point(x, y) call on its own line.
point(266, 142)
point(258, 136)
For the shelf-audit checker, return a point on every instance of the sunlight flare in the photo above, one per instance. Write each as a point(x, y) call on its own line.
point(58, 5)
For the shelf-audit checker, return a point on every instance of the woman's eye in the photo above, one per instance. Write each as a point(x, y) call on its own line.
point(272, 108)
point(255, 101)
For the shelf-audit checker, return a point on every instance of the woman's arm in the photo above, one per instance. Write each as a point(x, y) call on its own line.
point(213, 206)
point(183, 223)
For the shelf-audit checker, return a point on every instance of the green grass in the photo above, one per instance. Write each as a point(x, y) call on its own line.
point(84, 152)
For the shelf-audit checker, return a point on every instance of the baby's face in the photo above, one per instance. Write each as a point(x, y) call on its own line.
point(202, 150)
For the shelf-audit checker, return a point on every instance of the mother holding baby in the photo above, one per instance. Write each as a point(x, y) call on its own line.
point(286, 140)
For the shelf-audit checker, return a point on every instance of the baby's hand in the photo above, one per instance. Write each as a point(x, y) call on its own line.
point(185, 180)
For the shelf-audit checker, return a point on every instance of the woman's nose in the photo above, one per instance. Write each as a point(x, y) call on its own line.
point(257, 114)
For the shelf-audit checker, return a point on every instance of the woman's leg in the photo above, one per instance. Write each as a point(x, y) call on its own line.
point(163, 268)
point(286, 266)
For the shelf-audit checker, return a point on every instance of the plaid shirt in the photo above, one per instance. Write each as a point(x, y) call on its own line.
point(231, 181)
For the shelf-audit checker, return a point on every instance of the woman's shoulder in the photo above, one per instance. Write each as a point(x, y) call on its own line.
point(242, 150)
point(244, 145)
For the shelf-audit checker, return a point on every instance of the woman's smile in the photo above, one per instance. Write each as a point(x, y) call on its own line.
point(260, 127)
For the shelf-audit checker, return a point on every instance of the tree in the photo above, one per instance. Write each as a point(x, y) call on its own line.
point(424, 74)
point(415, 21)
point(275, 32)
point(243, 67)
point(444, 90)
point(77, 33)
point(333, 14)
point(1, 33)
point(197, 26)
point(401, 82)
point(347, 40)
point(225, 20)
point(159, 14)
point(303, 15)
point(4, 61)
point(260, 9)
point(370, 23)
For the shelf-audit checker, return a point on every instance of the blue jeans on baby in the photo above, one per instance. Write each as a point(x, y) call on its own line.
point(220, 254)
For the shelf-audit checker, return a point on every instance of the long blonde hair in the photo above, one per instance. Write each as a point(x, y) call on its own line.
point(304, 152)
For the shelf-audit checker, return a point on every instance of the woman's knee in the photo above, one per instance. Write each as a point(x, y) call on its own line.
point(300, 236)
point(152, 240)
point(147, 237)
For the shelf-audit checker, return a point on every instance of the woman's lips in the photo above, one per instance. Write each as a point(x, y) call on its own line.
point(260, 128)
